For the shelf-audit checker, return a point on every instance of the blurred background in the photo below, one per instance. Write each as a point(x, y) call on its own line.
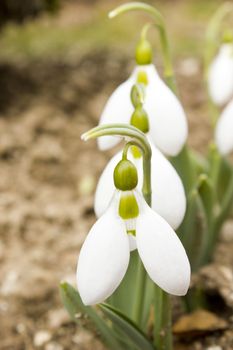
point(59, 61)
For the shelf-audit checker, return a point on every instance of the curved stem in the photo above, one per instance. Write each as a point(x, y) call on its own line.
point(159, 22)
point(136, 137)
point(126, 149)
point(213, 29)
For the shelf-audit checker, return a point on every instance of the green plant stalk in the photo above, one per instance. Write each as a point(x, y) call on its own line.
point(159, 23)
point(218, 221)
point(211, 44)
point(212, 32)
point(141, 273)
point(162, 321)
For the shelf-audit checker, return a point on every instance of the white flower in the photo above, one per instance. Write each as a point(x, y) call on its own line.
point(168, 125)
point(168, 196)
point(220, 77)
point(224, 130)
point(105, 254)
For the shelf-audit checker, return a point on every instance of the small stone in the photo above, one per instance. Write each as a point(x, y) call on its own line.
point(86, 185)
point(20, 328)
point(227, 231)
point(189, 67)
point(41, 338)
point(214, 347)
point(53, 346)
point(57, 318)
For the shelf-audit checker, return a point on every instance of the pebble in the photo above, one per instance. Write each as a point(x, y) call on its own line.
point(41, 337)
point(53, 346)
point(227, 231)
point(215, 347)
point(57, 318)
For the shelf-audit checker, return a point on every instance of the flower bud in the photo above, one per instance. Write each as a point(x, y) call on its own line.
point(143, 54)
point(125, 175)
point(139, 119)
point(128, 206)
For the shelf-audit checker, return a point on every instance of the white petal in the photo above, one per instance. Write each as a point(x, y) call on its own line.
point(118, 109)
point(168, 195)
point(162, 253)
point(105, 187)
point(132, 242)
point(224, 130)
point(220, 77)
point(103, 259)
point(168, 124)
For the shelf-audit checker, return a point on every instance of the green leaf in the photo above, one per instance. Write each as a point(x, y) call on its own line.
point(193, 227)
point(127, 327)
point(74, 305)
point(206, 191)
point(224, 179)
point(123, 298)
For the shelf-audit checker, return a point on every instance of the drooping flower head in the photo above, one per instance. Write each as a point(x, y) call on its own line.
point(167, 121)
point(129, 221)
point(224, 130)
point(220, 75)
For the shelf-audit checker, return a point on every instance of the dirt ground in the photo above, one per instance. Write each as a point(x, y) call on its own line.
point(47, 181)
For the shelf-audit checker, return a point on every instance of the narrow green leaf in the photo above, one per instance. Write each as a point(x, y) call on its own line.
point(225, 175)
point(74, 305)
point(193, 227)
point(206, 191)
point(124, 297)
point(126, 326)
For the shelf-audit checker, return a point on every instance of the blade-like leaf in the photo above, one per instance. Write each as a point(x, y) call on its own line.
point(74, 305)
point(126, 326)
point(206, 191)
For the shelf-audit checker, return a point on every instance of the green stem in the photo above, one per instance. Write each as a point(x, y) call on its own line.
point(159, 22)
point(212, 32)
point(138, 139)
point(162, 320)
point(139, 294)
point(210, 47)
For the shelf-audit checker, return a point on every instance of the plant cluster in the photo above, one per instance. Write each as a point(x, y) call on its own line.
point(132, 258)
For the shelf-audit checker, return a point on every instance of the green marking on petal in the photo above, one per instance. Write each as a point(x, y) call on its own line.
point(142, 78)
point(128, 206)
point(131, 232)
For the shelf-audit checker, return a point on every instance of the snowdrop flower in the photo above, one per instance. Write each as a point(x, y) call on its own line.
point(168, 196)
point(168, 125)
point(220, 77)
point(224, 130)
point(105, 254)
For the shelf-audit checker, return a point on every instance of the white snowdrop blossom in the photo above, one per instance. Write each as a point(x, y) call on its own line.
point(168, 195)
point(105, 254)
point(167, 120)
point(224, 130)
point(220, 76)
